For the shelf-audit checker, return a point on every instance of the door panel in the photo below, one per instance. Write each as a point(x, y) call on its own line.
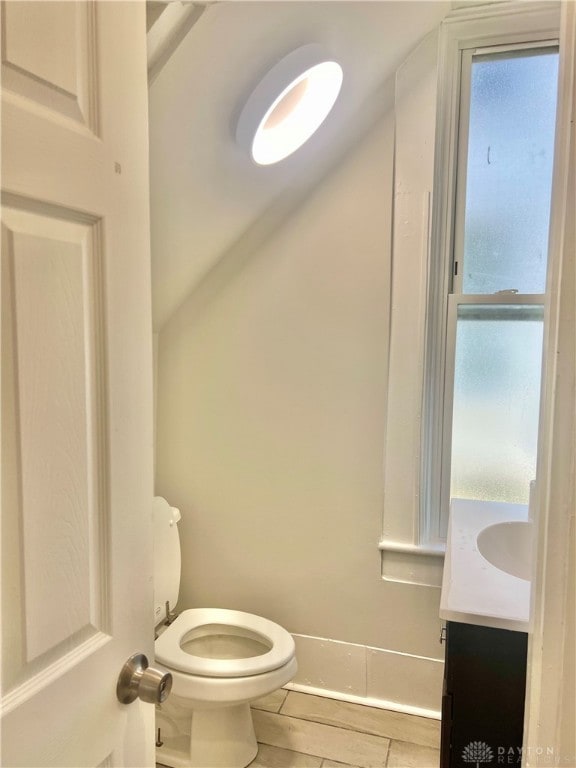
point(48, 56)
point(53, 293)
point(76, 383)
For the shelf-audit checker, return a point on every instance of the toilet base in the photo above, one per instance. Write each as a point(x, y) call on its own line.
point(222, 737)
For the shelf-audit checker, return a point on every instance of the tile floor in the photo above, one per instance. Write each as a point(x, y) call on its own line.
point(297, 730)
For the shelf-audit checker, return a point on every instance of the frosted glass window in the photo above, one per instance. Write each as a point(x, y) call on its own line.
point(496, 401)
point(509, 171)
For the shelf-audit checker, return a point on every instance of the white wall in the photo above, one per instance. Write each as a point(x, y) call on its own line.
point(551, 688)
point(271, 410)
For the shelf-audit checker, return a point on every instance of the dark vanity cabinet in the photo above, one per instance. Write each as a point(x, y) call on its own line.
point(483, 696)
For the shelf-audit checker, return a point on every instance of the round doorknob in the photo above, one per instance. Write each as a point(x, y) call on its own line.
point(138, 680)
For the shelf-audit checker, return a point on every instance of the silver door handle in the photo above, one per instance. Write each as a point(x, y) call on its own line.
point(138, 680)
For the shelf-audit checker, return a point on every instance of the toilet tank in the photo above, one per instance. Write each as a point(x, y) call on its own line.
point(166, 557)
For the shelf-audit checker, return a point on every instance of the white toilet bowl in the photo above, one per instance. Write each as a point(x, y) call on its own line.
point(220, 661)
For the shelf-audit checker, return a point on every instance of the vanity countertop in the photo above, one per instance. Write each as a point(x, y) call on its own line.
point(473, 590)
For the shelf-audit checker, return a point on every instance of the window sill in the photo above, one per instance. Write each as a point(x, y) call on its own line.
point(416, 564)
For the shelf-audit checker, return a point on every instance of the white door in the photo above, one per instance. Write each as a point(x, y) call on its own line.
point(76, 382)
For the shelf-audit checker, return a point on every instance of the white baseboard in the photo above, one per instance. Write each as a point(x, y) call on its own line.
point(367, 701)
point(372, 676)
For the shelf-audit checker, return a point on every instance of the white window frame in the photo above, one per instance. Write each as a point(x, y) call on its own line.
point(457, 297)
point(531, 27)
point(411, 538)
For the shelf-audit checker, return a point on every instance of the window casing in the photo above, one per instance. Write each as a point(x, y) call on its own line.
point(484, 342)
point(413, 528)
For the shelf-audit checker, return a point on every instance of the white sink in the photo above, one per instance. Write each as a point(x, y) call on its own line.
point(508, 546)
point(486, 576)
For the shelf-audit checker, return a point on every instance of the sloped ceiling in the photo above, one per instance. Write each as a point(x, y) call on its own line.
point(206, 194)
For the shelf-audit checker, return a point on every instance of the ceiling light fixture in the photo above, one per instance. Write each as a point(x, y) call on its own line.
point(289, 104)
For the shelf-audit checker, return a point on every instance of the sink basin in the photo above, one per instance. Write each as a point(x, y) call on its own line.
point(487, 568)
point(508, 546)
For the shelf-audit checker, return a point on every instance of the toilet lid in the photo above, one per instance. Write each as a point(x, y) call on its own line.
point(223, 643)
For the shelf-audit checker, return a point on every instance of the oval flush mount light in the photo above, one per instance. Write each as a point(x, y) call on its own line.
point(289, 104)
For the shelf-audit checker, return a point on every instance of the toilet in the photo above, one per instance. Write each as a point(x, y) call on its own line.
point(220, 661)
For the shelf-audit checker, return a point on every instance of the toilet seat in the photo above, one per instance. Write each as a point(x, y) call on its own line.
point(169, 652)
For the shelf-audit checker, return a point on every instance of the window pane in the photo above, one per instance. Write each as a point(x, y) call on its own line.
point(496, 401)
point(509, 172)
